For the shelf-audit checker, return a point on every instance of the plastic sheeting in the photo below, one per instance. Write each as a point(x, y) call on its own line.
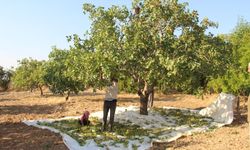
point(221, 110)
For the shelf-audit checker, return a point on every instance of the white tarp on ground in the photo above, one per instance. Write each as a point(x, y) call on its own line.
point(221, 110)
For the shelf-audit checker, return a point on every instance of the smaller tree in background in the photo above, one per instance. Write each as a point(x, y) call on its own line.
point(237, 79)
point(5, 78)
point(61, 75)
point(29, 75)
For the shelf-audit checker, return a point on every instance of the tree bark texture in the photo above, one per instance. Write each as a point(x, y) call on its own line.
point(67, 97)
point(41, 90)
point(143, 105)
point(145, 94)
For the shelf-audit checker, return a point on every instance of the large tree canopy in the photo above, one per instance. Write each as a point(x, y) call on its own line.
point(161, 44)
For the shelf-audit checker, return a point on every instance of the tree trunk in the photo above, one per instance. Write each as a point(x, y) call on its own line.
point(238, 105)
point(248, 115)
point(143, 103)
point(144, 98)
point(151, 99)
point(41, 90)
point(67, 97)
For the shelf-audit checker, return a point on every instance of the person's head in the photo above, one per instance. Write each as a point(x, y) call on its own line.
point(86, 113)
point(114, 79)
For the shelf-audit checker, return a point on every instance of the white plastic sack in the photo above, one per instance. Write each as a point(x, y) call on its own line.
point(221, 110)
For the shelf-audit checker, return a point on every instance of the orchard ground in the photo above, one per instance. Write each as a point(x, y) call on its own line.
point(18, 106)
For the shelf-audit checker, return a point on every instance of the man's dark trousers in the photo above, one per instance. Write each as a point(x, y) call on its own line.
point(109, 105)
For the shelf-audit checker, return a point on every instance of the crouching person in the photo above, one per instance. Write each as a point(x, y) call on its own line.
point(84, 120)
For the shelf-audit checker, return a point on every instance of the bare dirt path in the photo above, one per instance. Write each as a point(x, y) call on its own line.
point(18, 106)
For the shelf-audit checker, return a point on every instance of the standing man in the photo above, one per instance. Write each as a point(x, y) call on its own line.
point(110, 101)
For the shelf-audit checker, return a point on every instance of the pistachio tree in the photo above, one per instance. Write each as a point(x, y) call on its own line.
point(29, 75)
point(61, 74)
point(162, 42)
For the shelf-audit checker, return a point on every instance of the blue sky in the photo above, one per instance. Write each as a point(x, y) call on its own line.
point(29, 28)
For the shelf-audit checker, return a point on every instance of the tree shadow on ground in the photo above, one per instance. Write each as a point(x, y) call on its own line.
point(165, 99)
point(90, 94)
point(239, 120)
point(178, 144)
point(49, 94)
point(131, 100)
point(239, 117)
point(157, 99)
point(172, 145)
point(123, 100)
point(20, 136)
point(34, 109)
point(136, 100)
point(8, 99)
